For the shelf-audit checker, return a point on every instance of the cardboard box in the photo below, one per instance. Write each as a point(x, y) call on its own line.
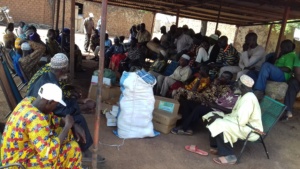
point(163, 128)
point(167, 105)
point(107, 92)
point(108, 105)
point(164, 117)
point(106, 81)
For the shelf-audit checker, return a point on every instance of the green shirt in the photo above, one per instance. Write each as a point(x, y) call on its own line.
point(297, 61)
point(286, 60)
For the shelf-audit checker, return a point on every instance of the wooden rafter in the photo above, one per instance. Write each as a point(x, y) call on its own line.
point(238, 12)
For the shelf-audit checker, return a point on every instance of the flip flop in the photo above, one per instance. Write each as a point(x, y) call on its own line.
point(194, 149)
point(224, 160)
point(181, 132)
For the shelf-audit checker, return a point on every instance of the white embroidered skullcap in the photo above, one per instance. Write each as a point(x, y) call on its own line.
point(247, 81)
point(185, 56)
point(214, 36)
point(59, 61)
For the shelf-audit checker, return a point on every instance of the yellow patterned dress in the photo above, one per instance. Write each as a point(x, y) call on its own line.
point(31, 138)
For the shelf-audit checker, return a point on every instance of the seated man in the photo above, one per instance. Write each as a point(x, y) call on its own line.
point(181, 73)
point(54, 73)
point(217, 96)
point(280, 72)
point(183, 42)
point(52, 45)
point(253, 57)
point(293, 90)
point(64, 41)
point(227, 129)
point(228, 55)
point(36, 138)
point(143, 36)
point(95, 40)
point(214, 48)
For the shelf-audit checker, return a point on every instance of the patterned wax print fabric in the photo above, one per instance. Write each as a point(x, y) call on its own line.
point(228, 56)
point(31, 139)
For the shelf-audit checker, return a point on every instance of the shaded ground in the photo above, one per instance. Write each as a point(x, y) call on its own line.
point(167, 151)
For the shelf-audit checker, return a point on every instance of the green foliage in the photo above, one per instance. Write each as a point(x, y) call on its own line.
point(290, 27)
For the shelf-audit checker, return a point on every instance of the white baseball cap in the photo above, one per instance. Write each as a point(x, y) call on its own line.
point(91, 15)
point(50, 91)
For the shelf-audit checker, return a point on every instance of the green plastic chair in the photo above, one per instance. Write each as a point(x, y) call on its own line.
point(271, 111)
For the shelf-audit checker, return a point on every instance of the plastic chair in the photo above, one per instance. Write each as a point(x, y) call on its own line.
point(271, 111)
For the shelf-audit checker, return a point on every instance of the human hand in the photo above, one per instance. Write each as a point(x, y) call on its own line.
point(79, 133)
point(245, 47)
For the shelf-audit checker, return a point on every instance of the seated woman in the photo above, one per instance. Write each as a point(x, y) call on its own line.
point(95, 41)
point(9, 37)
point(199, 82)
point(115, 54)
point(29, 61)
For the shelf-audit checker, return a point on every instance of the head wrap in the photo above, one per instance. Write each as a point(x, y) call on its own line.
point(25, 46)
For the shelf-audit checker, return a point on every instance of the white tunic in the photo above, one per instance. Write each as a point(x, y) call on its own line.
point(233, 126)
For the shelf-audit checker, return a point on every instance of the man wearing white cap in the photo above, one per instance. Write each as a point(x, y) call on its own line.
point(53, 73)
point(227, 129)
point(181, 73)
point(214, 48)
point(36, 138)
point(88, 29)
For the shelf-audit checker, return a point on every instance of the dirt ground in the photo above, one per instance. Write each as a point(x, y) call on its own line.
point(167, 151)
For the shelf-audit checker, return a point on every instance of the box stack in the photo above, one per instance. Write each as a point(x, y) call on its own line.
point(165, 114)
point(111, 116)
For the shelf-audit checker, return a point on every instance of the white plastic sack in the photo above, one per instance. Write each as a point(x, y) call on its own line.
point(136, 105)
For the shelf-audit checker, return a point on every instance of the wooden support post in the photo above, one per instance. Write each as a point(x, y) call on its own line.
point(268, 38)
point(100, 82)
point(218, 19)
point(282, 30)
point(72, 40)
point(177, 17)
point(153, 22)
point(236, 35)
point(63, 25)
point(57, 14)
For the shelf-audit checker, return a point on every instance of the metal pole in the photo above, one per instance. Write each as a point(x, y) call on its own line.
point(268, 38)
point(53, 12)
point(281, 34)
point(72, 40)
point(57, 14)
point(63, 25)
point(177, 17)
point(218, 19)
point(100, 82)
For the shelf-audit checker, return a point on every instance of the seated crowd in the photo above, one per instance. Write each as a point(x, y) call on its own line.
point(207, 75)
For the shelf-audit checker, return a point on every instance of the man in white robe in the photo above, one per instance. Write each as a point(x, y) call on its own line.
point(227, 129)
